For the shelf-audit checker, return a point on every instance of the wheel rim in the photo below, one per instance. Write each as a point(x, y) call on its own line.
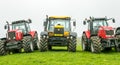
point(83, 46)
point(38, 44)
point(31, 47)
point(92, 49)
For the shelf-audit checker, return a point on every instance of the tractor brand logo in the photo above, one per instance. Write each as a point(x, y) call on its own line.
point(58, 29)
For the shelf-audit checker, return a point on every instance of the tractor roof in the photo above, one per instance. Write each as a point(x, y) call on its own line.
point(19, 21)
point(101, 18)
point(59, 17)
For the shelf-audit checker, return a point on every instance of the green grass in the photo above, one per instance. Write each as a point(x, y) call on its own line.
point(60, 56)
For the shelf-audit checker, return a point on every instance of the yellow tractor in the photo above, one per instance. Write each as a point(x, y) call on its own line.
point(57, 32)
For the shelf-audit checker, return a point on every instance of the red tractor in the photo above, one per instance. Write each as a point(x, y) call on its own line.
point(99, 36)
point(19, 36)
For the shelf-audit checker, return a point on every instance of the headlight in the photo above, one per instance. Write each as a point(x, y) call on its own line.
point(66, 34)
point(13, 37)
point(44, 36)
point(71, 37)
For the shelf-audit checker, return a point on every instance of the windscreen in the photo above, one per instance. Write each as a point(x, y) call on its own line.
point(63, 22)
point(98, 23)
point(19, 26)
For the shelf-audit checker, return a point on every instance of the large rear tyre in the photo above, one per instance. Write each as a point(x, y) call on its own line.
point(84, 43)
point(96, 46)
point(117, 43)
point(43, 45)
point(28, 44)
point(36, 41)
point(72, 45)
point(2, 48)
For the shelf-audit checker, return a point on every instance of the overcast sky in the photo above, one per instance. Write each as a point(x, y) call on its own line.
point(12, 10)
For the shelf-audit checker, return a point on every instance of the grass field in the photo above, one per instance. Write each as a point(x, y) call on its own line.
point(60, 56)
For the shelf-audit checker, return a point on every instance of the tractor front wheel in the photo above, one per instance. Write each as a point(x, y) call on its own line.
point(84, 43)
point(35, 40)
point(28, 44)
point(96, 46)
point(2, 48)
point(72, 44)
point(43, 45)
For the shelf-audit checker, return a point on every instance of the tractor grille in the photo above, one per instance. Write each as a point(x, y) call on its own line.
point(109, 32)
point(58, 31)
point(11, 35)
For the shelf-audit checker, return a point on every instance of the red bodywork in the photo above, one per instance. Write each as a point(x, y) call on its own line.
point(32, 33)
point(101, 32)
point(19, 34)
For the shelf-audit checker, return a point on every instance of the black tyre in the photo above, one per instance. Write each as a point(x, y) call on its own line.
point(35, 41)
point(72, 45)
point(84, 43)
point(117, 43)
point(2, 48)
point(27, 44)
point(96, 46)
point(43, 45)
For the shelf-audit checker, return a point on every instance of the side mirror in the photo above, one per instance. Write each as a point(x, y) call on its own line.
point(30, 21)
point(45, 23)
point(113, 20)
point(84, 22)
point(74, 23)
point(5, 27)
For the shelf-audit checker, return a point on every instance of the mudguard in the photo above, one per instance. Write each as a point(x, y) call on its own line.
point(87, 33)
point(43, 33)
point(74, 34)
point(32, 33)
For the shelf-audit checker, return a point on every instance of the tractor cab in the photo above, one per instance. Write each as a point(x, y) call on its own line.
point(22, 26)
point(59, 26)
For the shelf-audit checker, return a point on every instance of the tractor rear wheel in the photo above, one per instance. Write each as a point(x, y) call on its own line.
point(84, 43)
point(117, 43)
point(43, 45)
point(28, 44)
point(35, 40)
point(72, 45)
point(2, 48)
point(96, 46)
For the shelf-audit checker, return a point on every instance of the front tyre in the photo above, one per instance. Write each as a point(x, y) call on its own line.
point(28, 44)
point(2, 48)
point(43, 45)
point(35, 40)
point(84, 43)
point(96, 46)
point(72, 44)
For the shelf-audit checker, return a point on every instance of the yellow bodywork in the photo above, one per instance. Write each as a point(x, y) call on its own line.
point(59, 26)
point(61, 17)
